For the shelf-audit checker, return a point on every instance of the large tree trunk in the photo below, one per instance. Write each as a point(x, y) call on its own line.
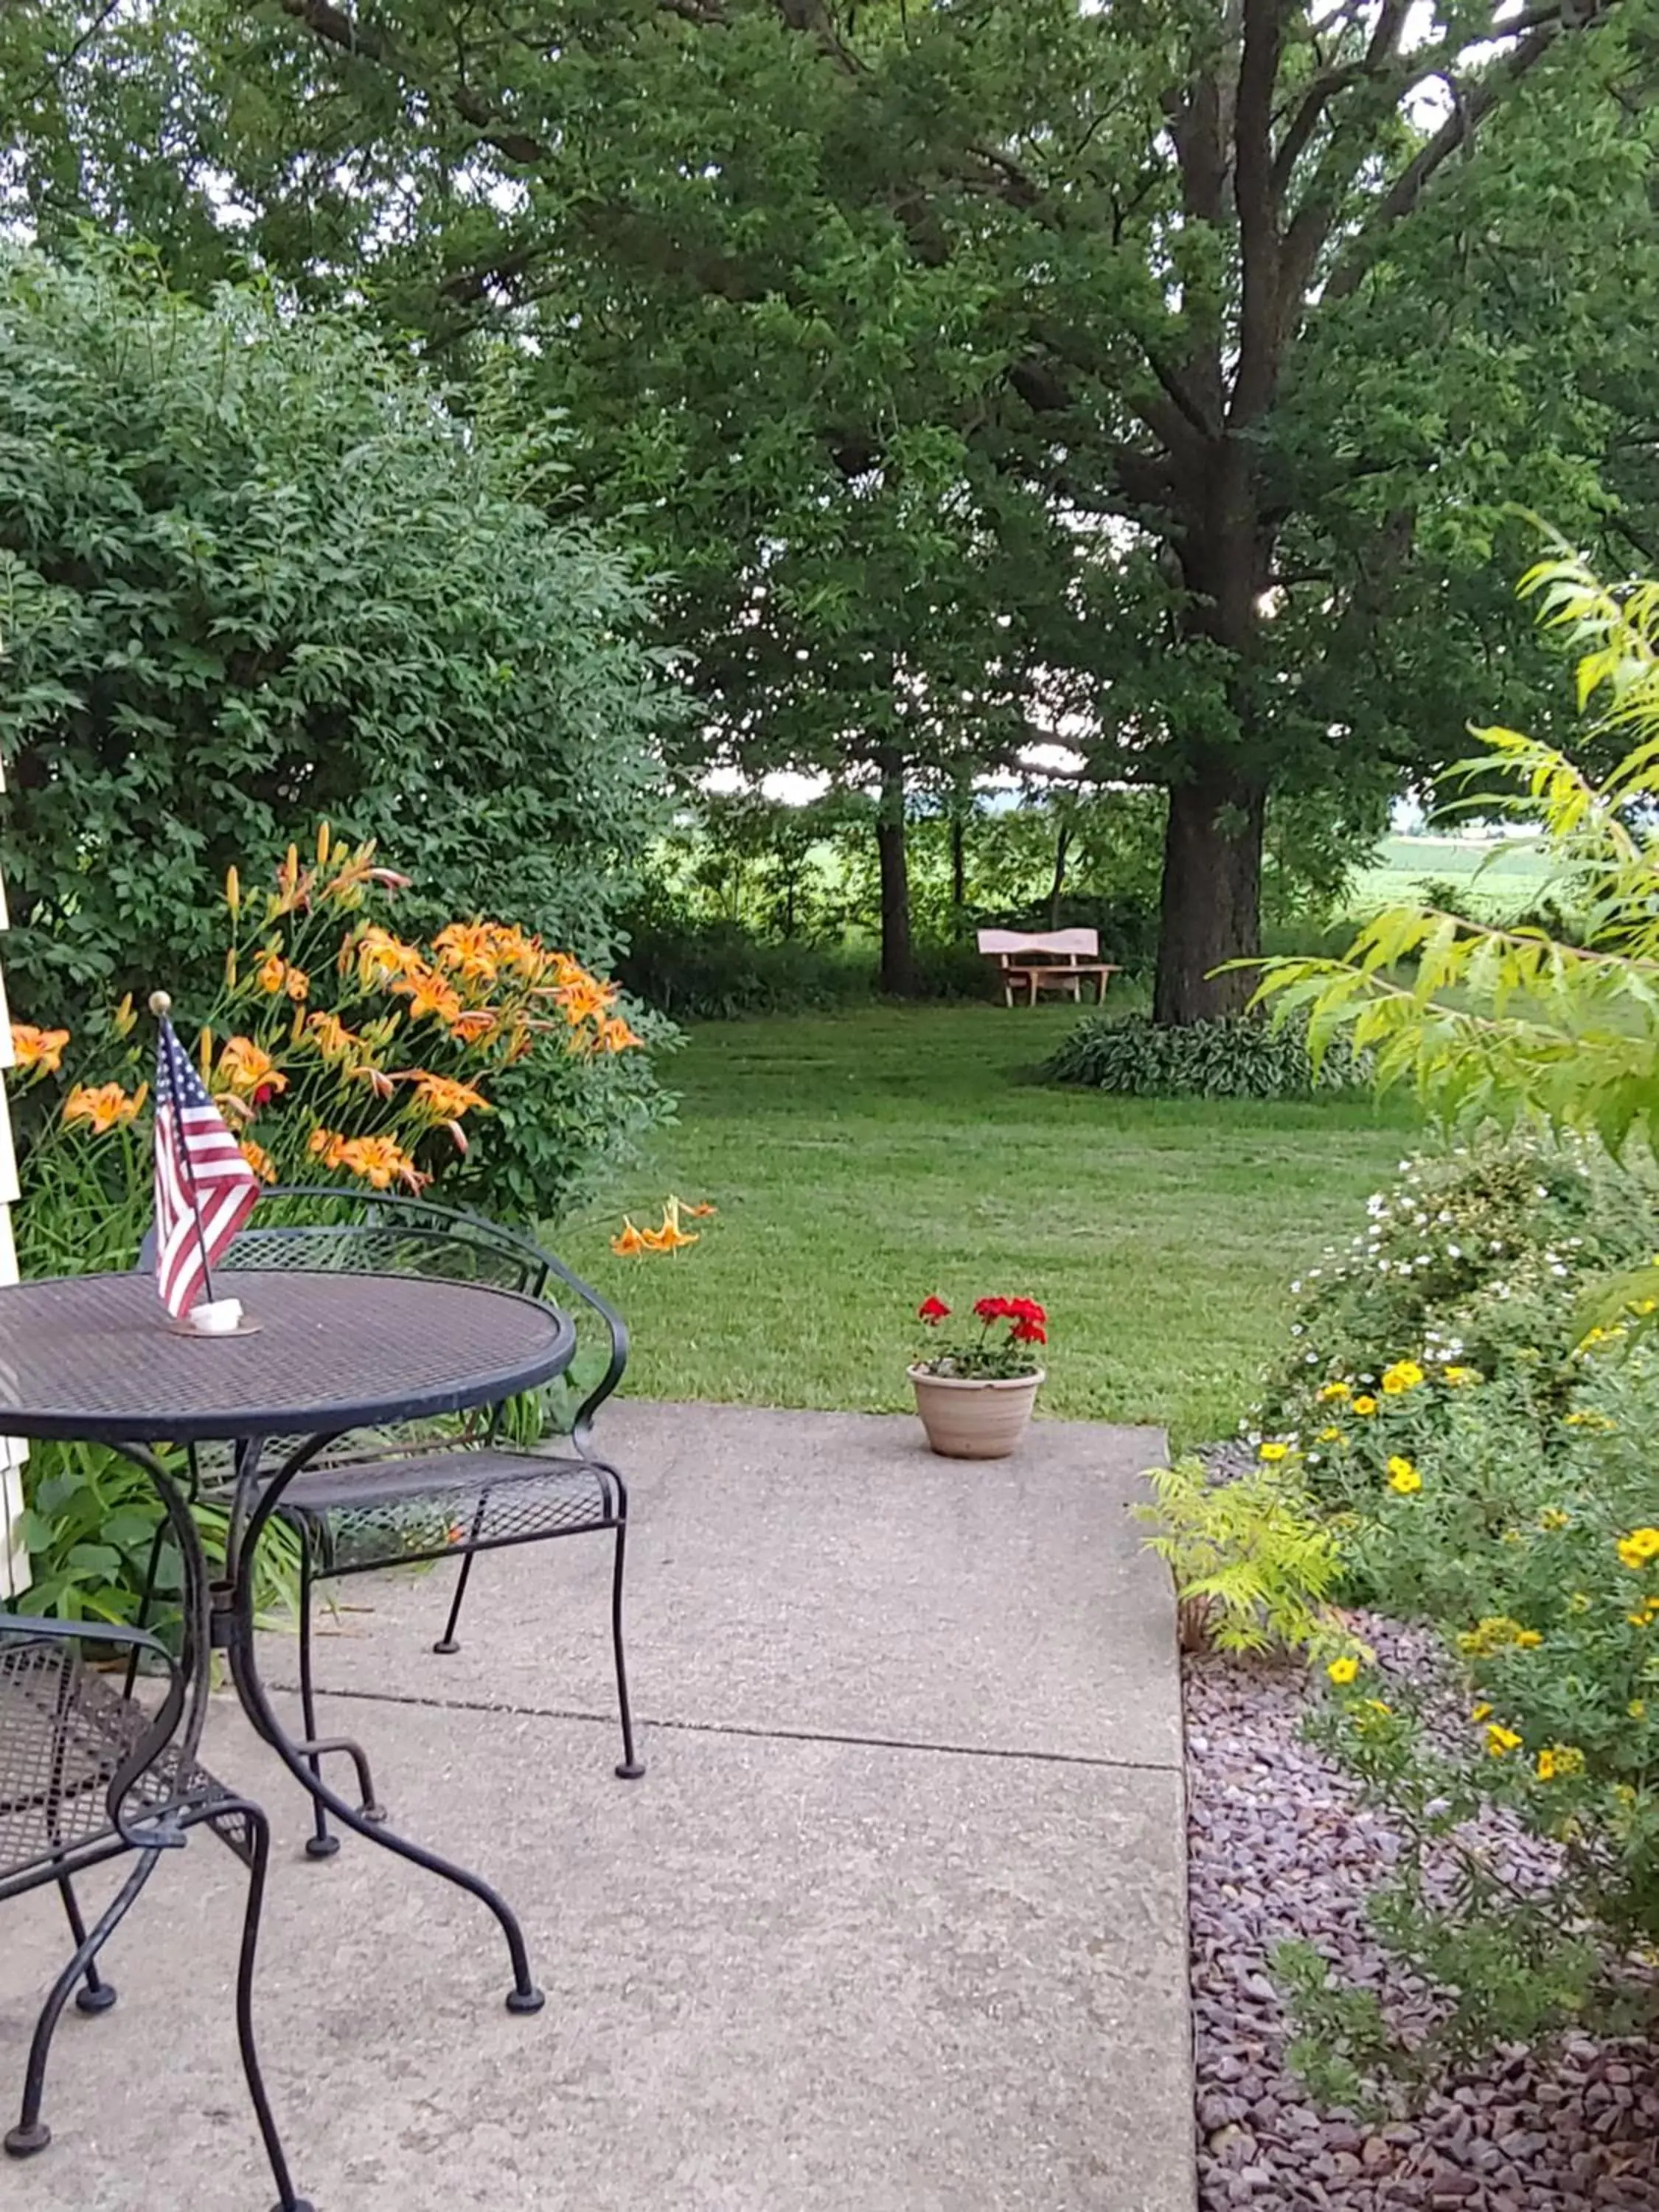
point(1211, 910)
point(1057, 881)
point(898, 974)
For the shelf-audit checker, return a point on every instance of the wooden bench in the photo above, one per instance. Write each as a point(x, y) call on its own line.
point(1045, 960)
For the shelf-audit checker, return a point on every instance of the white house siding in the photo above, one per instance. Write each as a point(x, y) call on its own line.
point(14, 1562)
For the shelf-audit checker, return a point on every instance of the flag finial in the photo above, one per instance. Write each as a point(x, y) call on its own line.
point(160, 1005)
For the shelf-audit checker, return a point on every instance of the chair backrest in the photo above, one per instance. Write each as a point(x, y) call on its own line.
point(1076, 944)
point(372, 1234)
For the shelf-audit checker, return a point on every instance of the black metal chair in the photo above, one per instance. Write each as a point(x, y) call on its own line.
point(87, 1774)
point(402, 1500)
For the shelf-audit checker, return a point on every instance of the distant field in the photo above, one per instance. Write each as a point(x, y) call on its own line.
point(1499, 883)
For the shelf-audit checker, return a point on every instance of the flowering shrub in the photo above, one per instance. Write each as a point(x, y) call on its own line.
point(1474, 1267)
point(337, 1051)
point(480, 1060)
point(1010, 1330)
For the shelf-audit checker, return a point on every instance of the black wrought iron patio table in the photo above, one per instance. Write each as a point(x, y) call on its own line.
point(95, 1359)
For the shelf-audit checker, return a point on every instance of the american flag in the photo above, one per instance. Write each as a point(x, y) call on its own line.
point(205, 1189)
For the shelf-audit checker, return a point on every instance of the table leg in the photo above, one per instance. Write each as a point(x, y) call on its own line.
point(524, 1995)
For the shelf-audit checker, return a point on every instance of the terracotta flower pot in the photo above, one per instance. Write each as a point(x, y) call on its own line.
point(970, 1417)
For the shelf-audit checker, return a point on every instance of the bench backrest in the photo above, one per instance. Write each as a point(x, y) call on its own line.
point(1073, 943)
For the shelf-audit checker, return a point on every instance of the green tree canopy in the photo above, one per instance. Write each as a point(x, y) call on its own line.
point(252, 575)
point(1164, 364)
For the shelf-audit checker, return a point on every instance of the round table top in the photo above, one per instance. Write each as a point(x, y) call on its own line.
point(98, 1358)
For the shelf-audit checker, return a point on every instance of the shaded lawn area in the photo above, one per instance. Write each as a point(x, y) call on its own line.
point(860, 1161)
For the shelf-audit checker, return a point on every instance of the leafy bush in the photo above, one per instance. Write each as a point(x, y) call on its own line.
point(1475, 1262)
point(1238, 1057)
point(250, 566)
point(718, 971)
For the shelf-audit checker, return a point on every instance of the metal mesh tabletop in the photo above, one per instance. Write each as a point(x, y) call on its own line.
point(96, 1358)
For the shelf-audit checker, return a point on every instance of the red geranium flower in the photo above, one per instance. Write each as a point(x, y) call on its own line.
point(990, 1309)
point(1027, 1331)
point(1028, 1309)
point(933, 1311)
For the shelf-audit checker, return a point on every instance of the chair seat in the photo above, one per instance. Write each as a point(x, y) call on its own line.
point(64, 1731)
point(382, 1512)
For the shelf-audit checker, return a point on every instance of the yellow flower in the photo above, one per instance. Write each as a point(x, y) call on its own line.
point(1637, 1709)
point(1376, 1705)
point(1271, 1452)
point(243, 1066)
point(1364, 1405)
point(1500, 1740)
point(1588, 1418)
point(1578, 1601)
point(1331, 1392)
point(1480, 1712)
point(42, 1048)
point(106, 1108)
point(1640, 1547)
point(269, 973)
point(1403, 1476)
point(1458, 1376)
point(1343, 1671)
point(1528, 1639)
point(1497, 1632)
point(1553, 1518)
point(1560, 1758)
point(259, 1159)
point(1404, 1374)
point(1330, 1436)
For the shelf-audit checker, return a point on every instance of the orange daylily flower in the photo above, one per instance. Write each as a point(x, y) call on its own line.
point(296, 984)
point(632, 1240)
point(333, 1039)
point(428, 993)
point(381, 956)
point(106, 1108)
point(702, 1211)
point(259, 1159)
point(615, 1035)
point(269, 973)
point(379, 1160)
point(43, 1048)
point(446, 1101)
point(327, 1145)
point(243, 1066)
point(671, 1237)
point(376, 1078)
point(470, 948)
point(473, 1026)
point(585, 999)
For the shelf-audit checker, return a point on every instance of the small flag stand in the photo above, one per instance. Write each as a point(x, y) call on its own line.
point(204, 1190)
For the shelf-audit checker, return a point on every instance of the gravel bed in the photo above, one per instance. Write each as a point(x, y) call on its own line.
point(1280, 1849)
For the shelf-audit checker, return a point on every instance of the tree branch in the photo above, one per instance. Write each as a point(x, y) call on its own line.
point(1257, 204)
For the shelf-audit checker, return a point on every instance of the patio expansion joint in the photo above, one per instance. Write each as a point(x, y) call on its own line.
point(754, 1734)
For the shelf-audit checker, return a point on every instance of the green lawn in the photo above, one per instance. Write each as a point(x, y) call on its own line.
point(860, 1161)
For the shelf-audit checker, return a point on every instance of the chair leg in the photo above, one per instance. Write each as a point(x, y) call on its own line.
point(32, 2134)
point(447, 1646)
point(96, 1995)
point(260, 1828)
point(631, 1767)
point(320, 1844)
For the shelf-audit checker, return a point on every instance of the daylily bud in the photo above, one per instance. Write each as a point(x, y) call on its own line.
point(233, 890)
point(322, 844)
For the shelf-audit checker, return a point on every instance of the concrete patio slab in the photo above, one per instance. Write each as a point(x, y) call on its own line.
point(824, 1574)
point(896, 1921)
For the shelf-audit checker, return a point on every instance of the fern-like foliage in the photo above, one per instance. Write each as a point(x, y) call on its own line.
point(1490, 1024)
point(1253, 1556)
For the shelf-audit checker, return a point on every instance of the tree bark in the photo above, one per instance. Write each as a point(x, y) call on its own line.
point(1057, 884)
point(898, 974)
point(958, 863)
point(1211, 910)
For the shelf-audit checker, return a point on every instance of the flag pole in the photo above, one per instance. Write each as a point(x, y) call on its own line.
point(161, 1004)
